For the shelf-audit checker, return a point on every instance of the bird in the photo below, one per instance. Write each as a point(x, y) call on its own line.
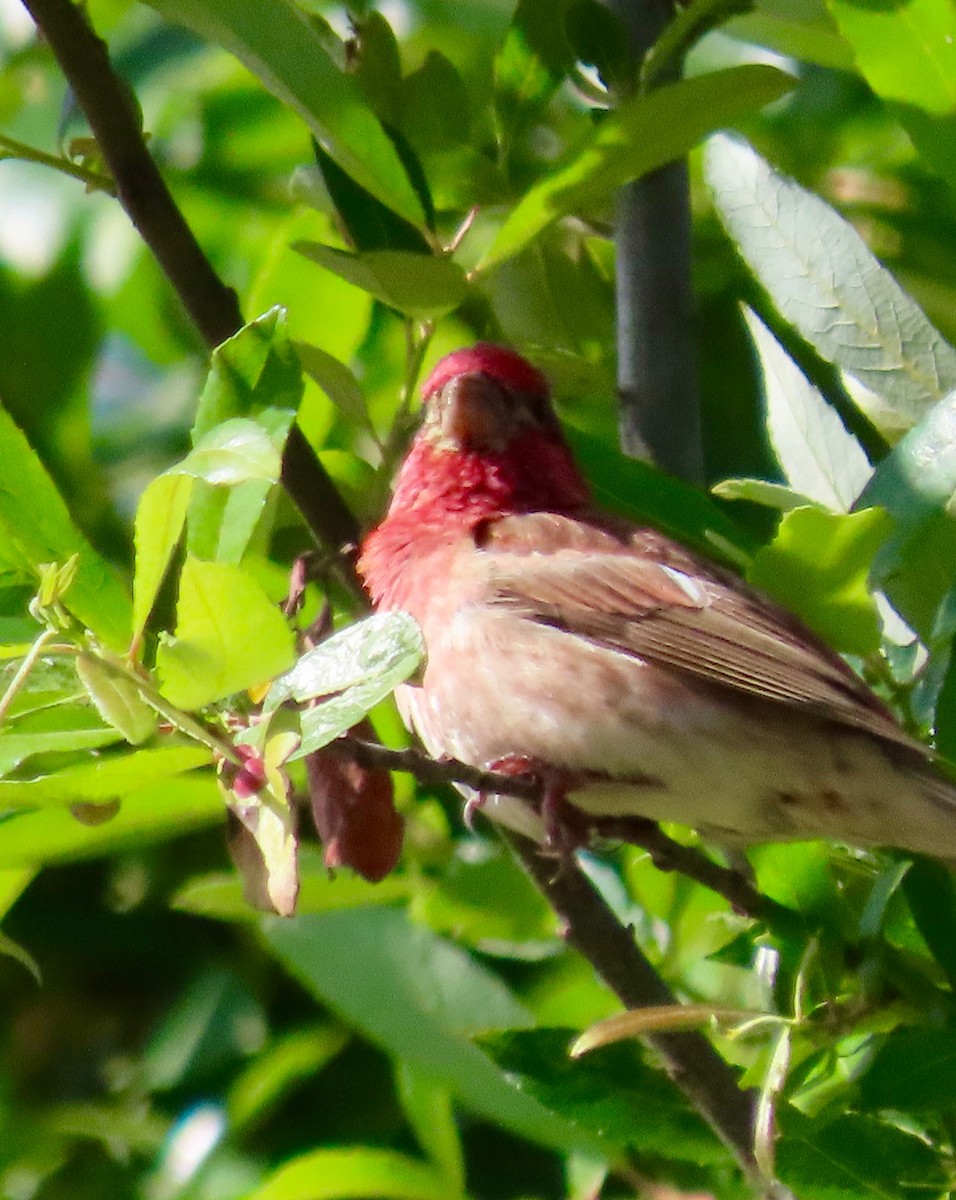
point(626, 673)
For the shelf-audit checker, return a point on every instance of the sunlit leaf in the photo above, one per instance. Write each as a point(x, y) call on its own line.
point(819, 456)
point(356, 1171)
point(819, 565)
point(825, 281)
point(103, 780)
point(229, 636)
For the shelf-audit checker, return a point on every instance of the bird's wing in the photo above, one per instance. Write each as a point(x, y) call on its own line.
point(640, 594)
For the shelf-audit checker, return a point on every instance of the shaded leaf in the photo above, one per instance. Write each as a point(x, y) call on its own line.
point(612, 1093)
point(36, 529)
point(421, 999)
point(279, 44)
point(916, 484)
point(417, 285)
point(643, 133)
point(369, 224)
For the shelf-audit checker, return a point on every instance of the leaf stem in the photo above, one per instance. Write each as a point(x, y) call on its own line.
point(30, 660)
point(11, 148)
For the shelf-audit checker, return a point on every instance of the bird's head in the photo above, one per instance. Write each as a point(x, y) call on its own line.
point(483, 399)
point(489, 443)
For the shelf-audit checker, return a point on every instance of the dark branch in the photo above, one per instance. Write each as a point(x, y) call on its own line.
point(690, 1060)
point(656, 364)
point(667, 854)
point(212, 306)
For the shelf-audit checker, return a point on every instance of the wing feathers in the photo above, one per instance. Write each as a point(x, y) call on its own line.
point(639, 595)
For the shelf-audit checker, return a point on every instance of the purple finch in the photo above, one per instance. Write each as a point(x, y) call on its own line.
point(632, 677)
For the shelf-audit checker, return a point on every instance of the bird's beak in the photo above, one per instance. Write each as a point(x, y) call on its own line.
point(470, 413)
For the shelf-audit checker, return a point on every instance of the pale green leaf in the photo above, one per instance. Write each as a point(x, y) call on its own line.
point(116, 697)
point(356, 1173)
point(168, 809)
point(160, 516)
point(826, 282)
point(905, 51)
point(102, 780)
point(818, 565)
point(820, 458)
point(229, 636)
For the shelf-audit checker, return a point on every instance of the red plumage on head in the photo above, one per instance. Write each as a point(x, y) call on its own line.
point(498, 362)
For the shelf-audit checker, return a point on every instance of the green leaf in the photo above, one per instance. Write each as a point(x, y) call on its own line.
point(418, 285)
point(116, 698)
point(384, 647)
point(645, 494)
point(277, 42)
point(914, 1070)
point(17, 748)
point(644, 133)
point(234, 452)
point(103, 780)
point(169, 809)
point(759, 491)
point(376, 63)
point(419, 998)
point(612, 1093)
point(533, 59)
point(855, 1158)
point(905, 51)
point(436, 108)
point(820, 458)
point(430, 1112)
point(686, 27)
point(369, 224)
point(255, 374)
point(916, 484)
point(220, 896)
point(160, 516)
point(931, 894)
point(229, 636)
point(337, 381)
point(36, 528)
point(825, 281)
point(818, 565)
point(290, 1060)
point(354, 1173)
point(254, 369)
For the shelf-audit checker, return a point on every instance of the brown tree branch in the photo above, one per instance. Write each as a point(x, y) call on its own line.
point(689, 1059)
point(213, 307)
point(666, 853)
